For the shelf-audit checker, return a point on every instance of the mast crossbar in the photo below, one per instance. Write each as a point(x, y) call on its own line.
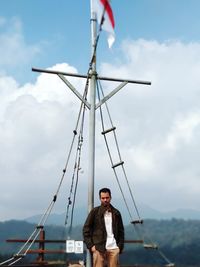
point(111, 94)
point(74, 90)
point(86, 76)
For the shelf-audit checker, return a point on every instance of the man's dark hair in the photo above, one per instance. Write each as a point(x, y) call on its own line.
point(104, 190)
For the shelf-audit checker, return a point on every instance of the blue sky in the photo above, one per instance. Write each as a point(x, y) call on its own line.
point(158, 126)
point(60, 27)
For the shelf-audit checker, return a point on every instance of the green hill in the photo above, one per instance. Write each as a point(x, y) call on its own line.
point(178, 240)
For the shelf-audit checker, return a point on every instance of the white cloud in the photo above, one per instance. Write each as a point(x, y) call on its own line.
point(160, 123)
point(157, 126)
point(35, 120)
point(15, 52)
point(183, 131)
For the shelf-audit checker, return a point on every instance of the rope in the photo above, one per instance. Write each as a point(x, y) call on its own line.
point(76, 170)
point(119, 155)
point(98, 34)
point(19, 255)
point(46, 214)
point(87, 84)
point(111, 160)
point(137, 230)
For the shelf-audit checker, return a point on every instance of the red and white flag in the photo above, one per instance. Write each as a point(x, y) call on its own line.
point(103, 8)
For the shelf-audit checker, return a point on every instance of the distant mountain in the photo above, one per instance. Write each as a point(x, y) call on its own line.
point(186, 214)
point(146, 212)
point(178, 239)
point(60, 219)
point(183, 214)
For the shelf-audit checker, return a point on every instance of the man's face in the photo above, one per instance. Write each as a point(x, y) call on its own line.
point(105, 199)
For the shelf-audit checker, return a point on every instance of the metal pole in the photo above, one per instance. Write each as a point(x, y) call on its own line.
point(86, 76)
point(91, 167)
point(92, 115)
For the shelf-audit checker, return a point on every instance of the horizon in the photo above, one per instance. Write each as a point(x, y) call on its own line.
point(146, 212)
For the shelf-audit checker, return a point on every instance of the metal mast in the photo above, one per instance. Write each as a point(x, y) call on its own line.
point(91, 170)
point(91, 105)
point(91, 166)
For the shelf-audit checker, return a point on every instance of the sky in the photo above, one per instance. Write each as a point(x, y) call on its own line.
point(158, 126)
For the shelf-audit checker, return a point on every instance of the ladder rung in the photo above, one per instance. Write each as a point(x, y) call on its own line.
point(109, 130)
point(137, 221)
point(118, 164)
point(150, 246)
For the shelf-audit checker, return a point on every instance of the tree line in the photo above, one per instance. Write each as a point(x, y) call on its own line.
point(178, 240)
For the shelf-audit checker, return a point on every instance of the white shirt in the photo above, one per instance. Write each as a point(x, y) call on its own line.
point(110, 242)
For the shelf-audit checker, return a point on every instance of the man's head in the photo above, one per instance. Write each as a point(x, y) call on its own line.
point(105, 196)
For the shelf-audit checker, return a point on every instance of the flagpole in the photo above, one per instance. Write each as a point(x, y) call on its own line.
point(91, 167)
point(92, 112)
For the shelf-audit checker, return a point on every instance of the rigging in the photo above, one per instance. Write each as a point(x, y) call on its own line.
point(75, 176)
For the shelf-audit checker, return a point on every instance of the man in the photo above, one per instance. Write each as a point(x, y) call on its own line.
point(103, 232)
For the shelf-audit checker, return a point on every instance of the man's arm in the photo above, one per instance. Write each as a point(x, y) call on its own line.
point(121, 234)
point(88, 229)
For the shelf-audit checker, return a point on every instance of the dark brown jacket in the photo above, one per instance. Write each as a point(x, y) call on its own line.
point(94, 230)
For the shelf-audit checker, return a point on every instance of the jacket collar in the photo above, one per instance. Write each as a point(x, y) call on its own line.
point(103, 209)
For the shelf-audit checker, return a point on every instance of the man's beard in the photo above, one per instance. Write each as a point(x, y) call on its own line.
point(107, 204)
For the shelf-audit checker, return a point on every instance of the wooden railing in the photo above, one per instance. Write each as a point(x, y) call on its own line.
point(42, 250)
